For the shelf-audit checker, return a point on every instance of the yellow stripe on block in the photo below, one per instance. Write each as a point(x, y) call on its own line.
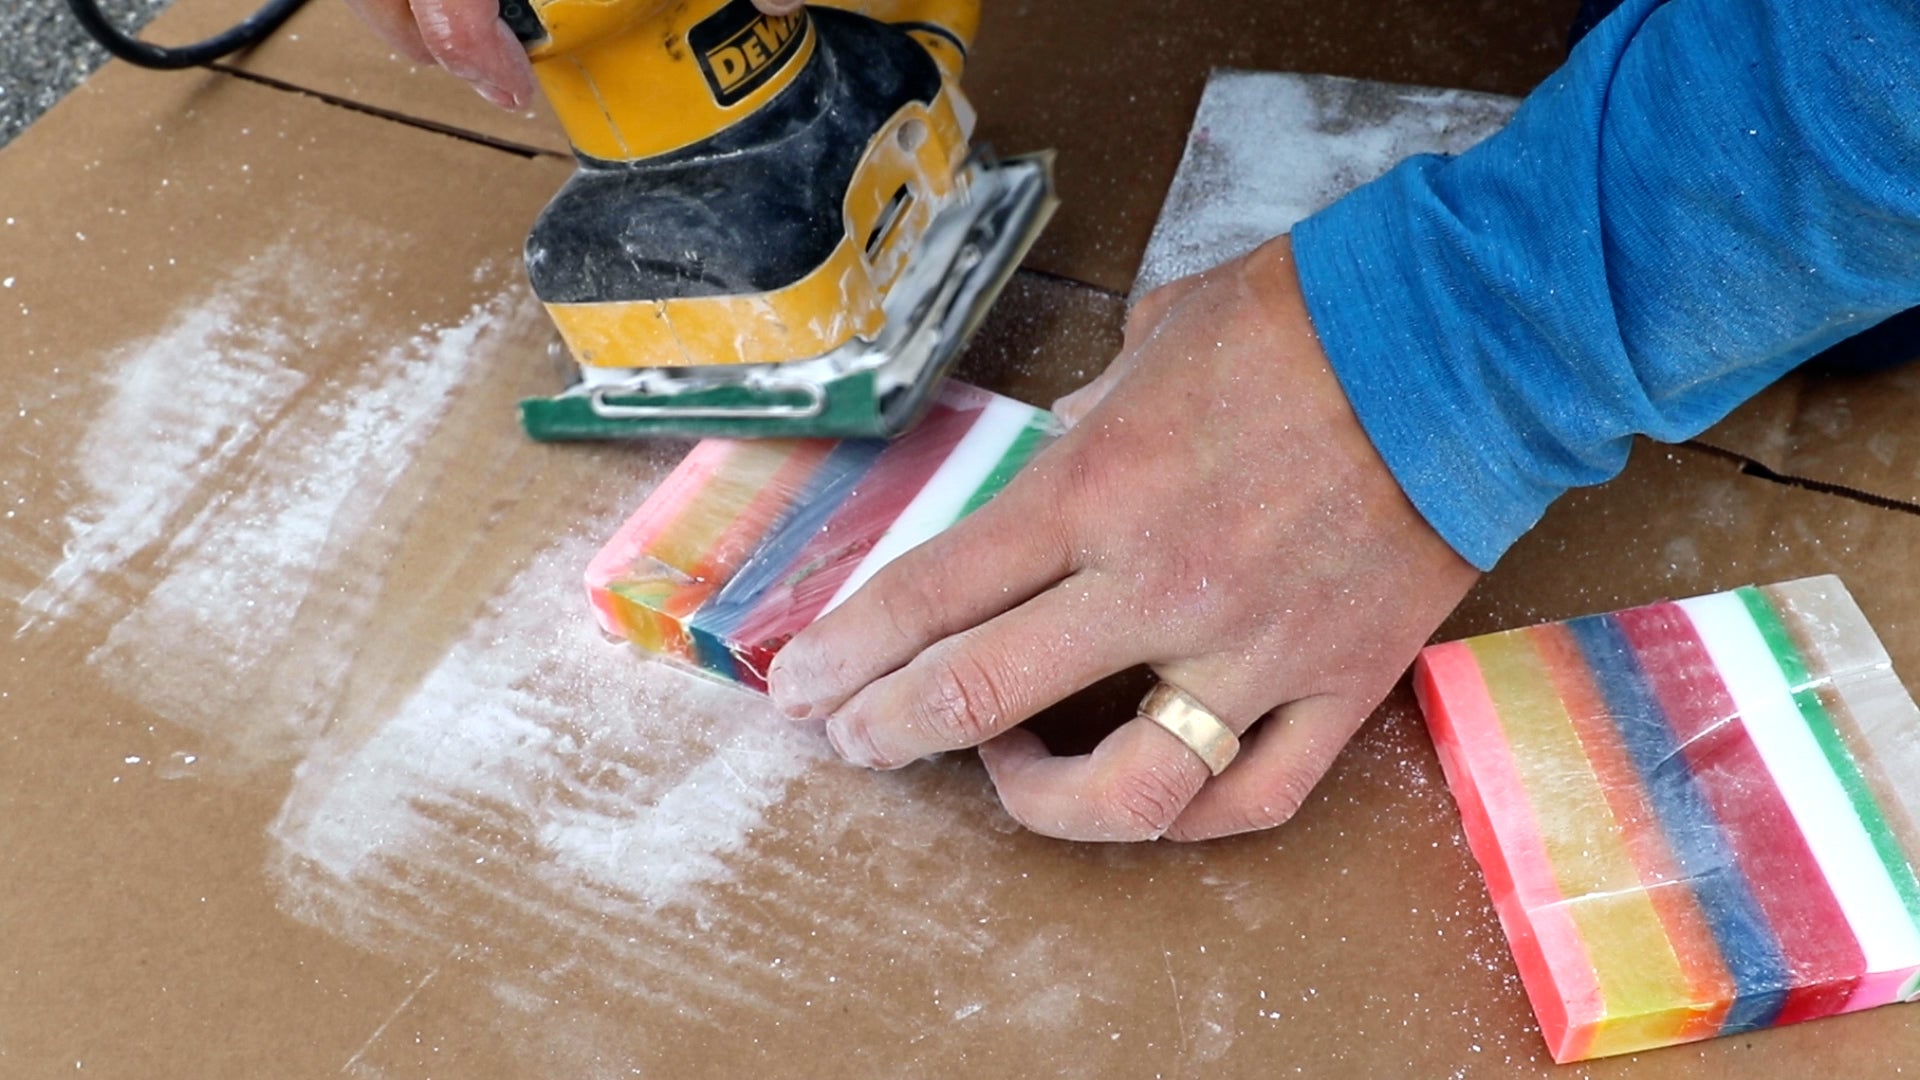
point(1642, 987)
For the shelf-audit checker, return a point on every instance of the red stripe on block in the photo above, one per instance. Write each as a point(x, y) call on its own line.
point(1780, 868)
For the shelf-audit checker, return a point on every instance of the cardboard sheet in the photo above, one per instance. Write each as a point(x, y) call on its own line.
point(325, 50)
point(315, 765)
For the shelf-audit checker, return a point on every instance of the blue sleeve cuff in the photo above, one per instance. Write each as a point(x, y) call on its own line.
point(1357, 262)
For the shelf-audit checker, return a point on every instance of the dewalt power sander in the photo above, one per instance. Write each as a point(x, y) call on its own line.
point(777, 227)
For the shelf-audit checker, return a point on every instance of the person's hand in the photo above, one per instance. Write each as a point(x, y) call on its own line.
point(468, 39)
point(1218, 513)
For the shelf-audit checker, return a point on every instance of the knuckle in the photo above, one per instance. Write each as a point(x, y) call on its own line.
point(1081, 482)
point(1272, 811)
point(1035, 821)
point(1048, 522)
point(1143, 318)
point(1142, 804)
point(1154, 307)
point(1258, 811)
point(909, 592)
point(1186, 570)
point(965, 704)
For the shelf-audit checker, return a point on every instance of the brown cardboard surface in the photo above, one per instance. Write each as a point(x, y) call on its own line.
point(326, 50)
point(1828, 426)
point(1112, 88)
point(315, 767)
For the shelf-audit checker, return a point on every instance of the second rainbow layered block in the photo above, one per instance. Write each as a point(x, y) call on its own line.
point(1694, 818)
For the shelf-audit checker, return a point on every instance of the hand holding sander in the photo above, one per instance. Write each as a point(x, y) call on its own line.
point(777, 227)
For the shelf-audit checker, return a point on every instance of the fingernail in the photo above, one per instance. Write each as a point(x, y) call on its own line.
point(851, 745)
point(498, 95)
point(785, 690)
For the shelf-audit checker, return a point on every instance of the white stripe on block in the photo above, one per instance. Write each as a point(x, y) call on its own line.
point(947, 491)
point(1806, 781)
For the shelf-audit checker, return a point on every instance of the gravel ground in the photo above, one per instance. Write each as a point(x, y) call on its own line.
point(44, 54)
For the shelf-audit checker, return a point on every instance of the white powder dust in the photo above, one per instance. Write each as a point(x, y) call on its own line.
point(221, 634)
point(574, 821)
point(1269, 149)
point(179, 408)
point(537, 769)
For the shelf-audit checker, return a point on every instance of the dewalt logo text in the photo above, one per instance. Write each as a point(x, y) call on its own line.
point(740, 49)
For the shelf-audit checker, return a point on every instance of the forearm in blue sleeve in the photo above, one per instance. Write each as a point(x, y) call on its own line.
point(1708, 193)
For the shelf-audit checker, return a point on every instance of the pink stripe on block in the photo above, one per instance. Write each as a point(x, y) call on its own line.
point(1506, 839)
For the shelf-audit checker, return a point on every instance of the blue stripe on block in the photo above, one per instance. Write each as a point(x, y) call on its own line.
point(1747, 944)
point(812, 507)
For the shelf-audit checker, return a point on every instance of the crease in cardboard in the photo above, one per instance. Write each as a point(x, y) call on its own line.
point(1835, 424)
point(470, 135)
point(1761, 470)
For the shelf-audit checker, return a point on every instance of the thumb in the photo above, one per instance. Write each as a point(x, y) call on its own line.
point(1142, 321)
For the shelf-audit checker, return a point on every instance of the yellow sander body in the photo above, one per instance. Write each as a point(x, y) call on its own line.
point(777, 227)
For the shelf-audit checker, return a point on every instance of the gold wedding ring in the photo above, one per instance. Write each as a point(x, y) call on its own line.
point(1189, 721)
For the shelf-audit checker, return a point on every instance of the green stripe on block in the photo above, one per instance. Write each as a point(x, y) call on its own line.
point(1885, 844)
point(1025, 445)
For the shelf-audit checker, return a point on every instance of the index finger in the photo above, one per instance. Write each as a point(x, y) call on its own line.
point(1006, 553)
point(975, 685)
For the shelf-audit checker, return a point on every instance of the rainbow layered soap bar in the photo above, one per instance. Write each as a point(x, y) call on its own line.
point(747, 543)
point(1695, 818)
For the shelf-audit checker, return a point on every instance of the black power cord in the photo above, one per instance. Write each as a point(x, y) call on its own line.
point(165, 58)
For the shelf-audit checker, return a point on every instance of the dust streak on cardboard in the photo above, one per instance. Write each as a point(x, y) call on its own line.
point(234, 536)
point(572, 822)
point(308, 506)
point(179, 407)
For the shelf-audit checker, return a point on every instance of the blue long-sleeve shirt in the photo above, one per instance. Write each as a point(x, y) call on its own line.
point(1706, 194)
